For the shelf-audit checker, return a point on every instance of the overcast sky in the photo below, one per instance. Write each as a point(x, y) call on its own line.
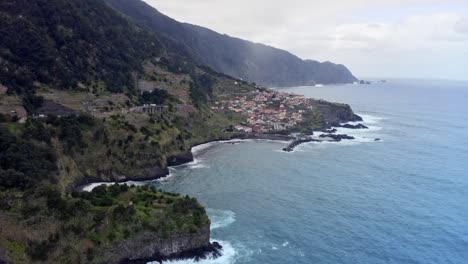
point(374, 38)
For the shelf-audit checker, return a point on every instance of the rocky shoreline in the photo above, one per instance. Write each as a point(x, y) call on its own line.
point(142, 249)
point(156, 173)
point(328, 136)
point(298, 142)
point(151, 247)
point(184, 249)
point(333, 138)
point(213, 250)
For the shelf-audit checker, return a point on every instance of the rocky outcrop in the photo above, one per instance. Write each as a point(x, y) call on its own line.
point(349, 126)
point(149, 246)
point(151, 173)
point(154, 172)
point(323, 138)
point(298, 142)
point(330, 131)
point(180, 159)
point(336, 137)
point(334, 114)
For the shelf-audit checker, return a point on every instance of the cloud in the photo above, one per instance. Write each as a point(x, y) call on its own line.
point(357, 33)
point(462, 26)
point(412, 33)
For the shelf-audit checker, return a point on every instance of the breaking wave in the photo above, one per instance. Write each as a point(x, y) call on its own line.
point(229, 256)
point(220, 218)
point(91, 186)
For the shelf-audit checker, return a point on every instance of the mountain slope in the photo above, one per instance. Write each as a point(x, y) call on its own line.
point(42, 45)
point(81, 56)
point(236, 57)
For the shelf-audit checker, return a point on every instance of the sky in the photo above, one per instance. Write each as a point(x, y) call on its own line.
point(423, 39)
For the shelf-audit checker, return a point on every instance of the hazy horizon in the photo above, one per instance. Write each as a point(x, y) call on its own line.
point(412, 39)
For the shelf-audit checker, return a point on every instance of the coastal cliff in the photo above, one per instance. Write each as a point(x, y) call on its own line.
point(334, 114)
point(115, 224)
point(179, 159)
point(146, 173)
point(148, 246)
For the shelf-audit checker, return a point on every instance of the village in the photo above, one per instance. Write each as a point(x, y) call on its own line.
point(266, 110)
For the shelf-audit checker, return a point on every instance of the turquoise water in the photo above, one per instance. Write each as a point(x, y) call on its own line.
point(401, 200)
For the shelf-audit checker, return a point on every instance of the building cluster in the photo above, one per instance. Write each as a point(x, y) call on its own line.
point(267, 110)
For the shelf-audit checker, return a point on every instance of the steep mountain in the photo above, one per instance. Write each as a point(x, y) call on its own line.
point(236, 57)
point(67, 45)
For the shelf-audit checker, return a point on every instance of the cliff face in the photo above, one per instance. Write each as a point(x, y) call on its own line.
point(151, 246)
point(236, 57)
point(179, 159)
point(334, 113)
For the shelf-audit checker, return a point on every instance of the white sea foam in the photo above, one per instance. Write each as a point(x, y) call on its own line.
point(233, 141)
point(197, 150)
point(197, 164)
point(168, 177)
point(371, 119)
point(229, 255)
point(91, 186)
point(202, 147)
point(360, 135)
point(220, 218)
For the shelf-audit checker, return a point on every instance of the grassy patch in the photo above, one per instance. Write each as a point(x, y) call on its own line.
point(16, 252)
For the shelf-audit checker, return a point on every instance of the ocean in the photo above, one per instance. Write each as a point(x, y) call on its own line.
point(403, 199)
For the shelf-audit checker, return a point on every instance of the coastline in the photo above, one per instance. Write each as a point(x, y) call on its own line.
point(188, 157)
point(93, 182)
point(214, 248)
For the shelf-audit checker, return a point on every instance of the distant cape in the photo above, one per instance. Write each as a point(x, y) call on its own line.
point(242, 59)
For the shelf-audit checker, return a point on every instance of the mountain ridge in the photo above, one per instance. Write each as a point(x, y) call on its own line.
point(254, 62)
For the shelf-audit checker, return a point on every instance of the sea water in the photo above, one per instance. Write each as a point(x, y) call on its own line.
point(403, 199)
